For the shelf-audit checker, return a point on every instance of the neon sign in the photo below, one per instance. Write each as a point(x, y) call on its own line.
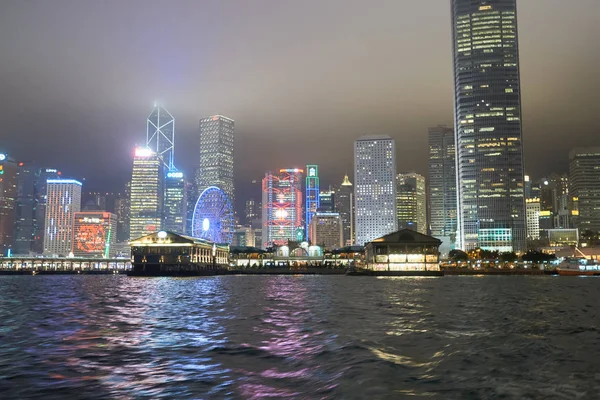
point(175, 175)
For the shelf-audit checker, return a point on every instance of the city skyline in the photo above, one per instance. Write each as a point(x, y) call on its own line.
point(113, 122)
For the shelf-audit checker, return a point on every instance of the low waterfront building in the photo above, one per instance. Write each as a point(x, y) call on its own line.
point(403, 250)
point(167, 253)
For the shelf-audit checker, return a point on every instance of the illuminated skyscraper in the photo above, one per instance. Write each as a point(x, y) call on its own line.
point(63, 201)
point(122, 210)
point(312, 194)
point(442, 184)
point(26, 224)
point(327, 201)
point(411, 202)
point(216, 154)
point(375, 183)
point(175, 203)
point(325, 230)
point(282, 207)
point(40, 211)
point(487, 103)
point(585, 187)
point(8, 201)
point(147, 188)
point(94, 233)
point(344, 204)
point(160, 135)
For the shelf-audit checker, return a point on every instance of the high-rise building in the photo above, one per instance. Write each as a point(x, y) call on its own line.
point(94, 234)
point(375, 187)
point(40, 211)
point(325, 230)
point(175, 203)
point(147, 190)
point(8, 201)
point(442, 184)
point(344, 204)
point(411, 202)
point(160, 135)
point(191, 195)
point(487, 104)
point(216, 154)
point(251, 211)
point(282, 217)
point(312, 194)
point(584, 190)
point(533, 218)
point(26, 224)
point(327, 201)
point(63, 201)
point(122, 210)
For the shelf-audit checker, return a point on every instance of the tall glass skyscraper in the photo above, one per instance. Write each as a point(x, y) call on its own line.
point(585, 186)
point(175, 203)
point(411, 202)
point(147, 188)
point(375, 187)
point(442, 183)
point(8, 200)
point(160, 135)
point(487, 103)
point(26, 224)
point(344, 204)
point(312, 194)
point(63, 201)
point(216, 154)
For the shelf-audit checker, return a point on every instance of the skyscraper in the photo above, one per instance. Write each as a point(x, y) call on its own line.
point(411, 202)
point(216, 154)
point(26, 224)
point(147, 188)
point(312, 194)
point(94, 233)
point(40, 211)
point(584, 169)
point(327, 201)
point(63, 201)
point(487, 103)
point(375, 183)
point(344, 204)
point(442, 184)
point(175, 203)
point(122, 210)
point(8, 199)
point(282, 215)
point(325, 230)
point(160, 135)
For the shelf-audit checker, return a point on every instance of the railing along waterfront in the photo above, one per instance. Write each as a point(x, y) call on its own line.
point(64, 265)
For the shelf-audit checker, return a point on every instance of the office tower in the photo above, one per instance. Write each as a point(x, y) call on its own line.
point(487, 104)
point(312, 194)
point(533, 218)
point(325, 230)
point(122, 210)
point(8, 201)
point(26, 224)
point(251, 211)
point(216, 154)
point(244, 236)
point(327, 201)
point(94, 234)
point(175, 203)
point(63, 201)
point(40, 211)
point(191, 195)
point(344, 204)
point(160, 135)
point(147, 190)
point(282, 201)
point(411, 202)
point(584, 169)
point(442, 184)
point(375, 183)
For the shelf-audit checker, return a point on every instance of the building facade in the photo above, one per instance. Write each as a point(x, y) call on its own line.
point(175, 203)
point(282, 216)
point(584, 168)
point(147, 191)
point(122, 210)
point(216, 155)
point(325, 230)
point(375, 187)
point(8, 202)
point(533, 219)
point(442, 184)
point(63, 201)
point(411, 202)
point(26, 223)
point(94, 234)
point(344, 204)
point(487, 104)
point(327, 201)
point(160, 135)
point(312, 203)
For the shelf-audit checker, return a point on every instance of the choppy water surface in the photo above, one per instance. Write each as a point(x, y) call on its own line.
point(314, 337)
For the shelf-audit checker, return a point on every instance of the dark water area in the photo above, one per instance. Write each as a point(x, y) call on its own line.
point(299, 337)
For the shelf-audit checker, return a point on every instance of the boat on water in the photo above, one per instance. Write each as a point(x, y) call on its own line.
point(575, 266)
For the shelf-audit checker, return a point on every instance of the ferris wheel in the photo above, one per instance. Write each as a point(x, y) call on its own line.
point(213, 216)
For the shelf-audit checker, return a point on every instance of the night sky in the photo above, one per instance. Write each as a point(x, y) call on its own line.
point(302, 79)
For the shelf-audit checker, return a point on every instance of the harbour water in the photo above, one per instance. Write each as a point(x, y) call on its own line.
point(299, 337)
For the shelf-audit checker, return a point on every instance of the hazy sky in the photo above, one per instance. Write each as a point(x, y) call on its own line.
point(302, 79)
